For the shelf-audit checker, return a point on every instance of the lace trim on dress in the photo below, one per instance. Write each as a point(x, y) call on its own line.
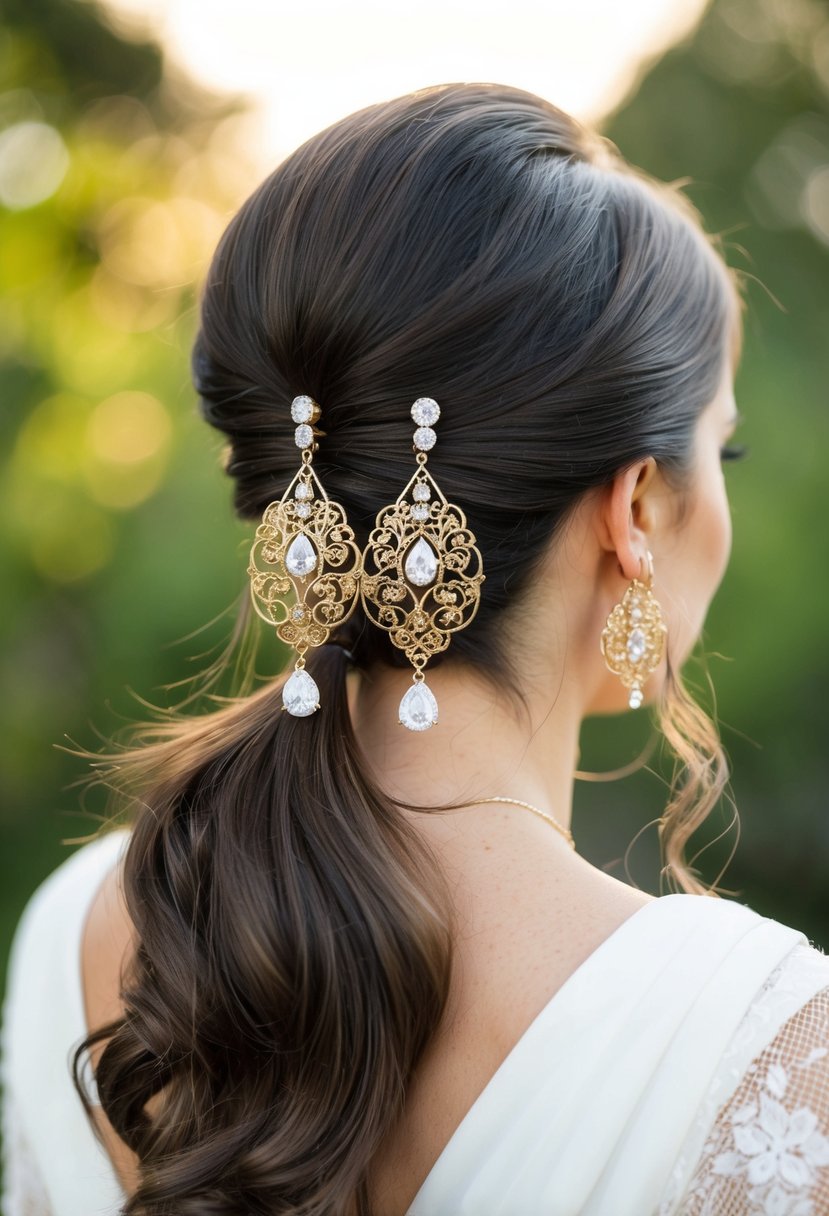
point(759, 1145)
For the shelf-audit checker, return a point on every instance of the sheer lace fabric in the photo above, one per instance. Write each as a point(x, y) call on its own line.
point(768, 1152)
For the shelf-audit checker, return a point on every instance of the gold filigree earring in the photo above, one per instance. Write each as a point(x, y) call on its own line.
point(633, 640)
point(304, 536)
point(421, 571)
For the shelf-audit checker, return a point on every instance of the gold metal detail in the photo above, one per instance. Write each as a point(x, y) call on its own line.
point(633, 639)
point(421, 622)
point(304, 546)
point(559, 827)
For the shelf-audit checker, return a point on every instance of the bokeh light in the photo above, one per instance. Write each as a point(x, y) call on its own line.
point(33, 161)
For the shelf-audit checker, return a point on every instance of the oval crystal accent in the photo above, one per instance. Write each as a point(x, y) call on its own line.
point(303, 436)
point(421, 563)
point(636, 644)
point(419, 709)
point(300, 558)
point(425, 411)
point(421, 492)
point(300, 694)
point(302, 408)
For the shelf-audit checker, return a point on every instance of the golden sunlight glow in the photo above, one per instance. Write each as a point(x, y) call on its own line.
point(128, 428)
point(305, 65)
point(128, 439)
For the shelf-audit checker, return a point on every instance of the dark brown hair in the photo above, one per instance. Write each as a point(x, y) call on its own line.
point(472, 243)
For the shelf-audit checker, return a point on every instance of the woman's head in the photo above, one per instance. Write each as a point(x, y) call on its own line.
point(475, 244)
point(294, 932)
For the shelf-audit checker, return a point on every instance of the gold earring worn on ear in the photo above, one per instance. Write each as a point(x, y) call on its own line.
point(633, 640)
point(421, 571)
point(302, 535)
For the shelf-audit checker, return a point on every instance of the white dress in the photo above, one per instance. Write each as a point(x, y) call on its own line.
point(681, 1070)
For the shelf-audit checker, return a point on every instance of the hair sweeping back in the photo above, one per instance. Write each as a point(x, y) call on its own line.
point(293, 932)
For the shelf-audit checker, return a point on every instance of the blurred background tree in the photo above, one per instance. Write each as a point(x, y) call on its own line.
point(117, 177)
point(741, 107)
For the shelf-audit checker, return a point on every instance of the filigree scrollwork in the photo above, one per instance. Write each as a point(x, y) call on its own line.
point(633, 639)
point(304, 549)
point(422, 572)
point(326, 590)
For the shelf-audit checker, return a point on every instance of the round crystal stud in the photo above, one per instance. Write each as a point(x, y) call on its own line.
point(304, 436)
point(302, 408)
point(303, 509)
point(425, 411)
point(424, 438)
point(419, 709)
point(421, 492)
point(300, 695)
point(420, 512)
point(303, 490)
point(297, 612)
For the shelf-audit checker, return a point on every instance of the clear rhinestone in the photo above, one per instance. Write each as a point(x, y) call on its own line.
point(425, 411)
point(300, 558)
point(300, 696)
point(303, 509)
point(421, 563)
point(419, 709)
point(298, 612)
point(304, 436)
point(421, 492)
point(302, 408)
point(424, 438)
point(635, 699)
point(303, 490)
point(636, 645)
point(420, 511)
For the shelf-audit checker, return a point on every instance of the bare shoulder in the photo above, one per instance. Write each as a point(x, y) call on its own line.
point(107, 942)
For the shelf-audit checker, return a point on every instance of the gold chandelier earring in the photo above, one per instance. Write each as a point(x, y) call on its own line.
point(304, 545)
point(633, 640)
point(421, 571)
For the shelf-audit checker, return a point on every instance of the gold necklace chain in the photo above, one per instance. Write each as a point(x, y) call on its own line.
point(565, 832)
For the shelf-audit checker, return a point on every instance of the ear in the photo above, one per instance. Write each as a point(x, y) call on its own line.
point(627, 517)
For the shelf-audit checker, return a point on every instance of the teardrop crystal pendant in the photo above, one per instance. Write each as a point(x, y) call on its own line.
point(300, 558)
point(300, 694)
point(421, 563)
point(419, 709)
point(636, 645)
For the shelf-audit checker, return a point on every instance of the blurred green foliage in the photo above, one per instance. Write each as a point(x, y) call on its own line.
point(116, 179)
point(741, 107)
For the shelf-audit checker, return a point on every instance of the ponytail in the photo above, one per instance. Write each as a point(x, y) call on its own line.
point(293, 960)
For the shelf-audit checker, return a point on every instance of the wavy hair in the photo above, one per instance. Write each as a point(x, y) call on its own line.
point(293, 931)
